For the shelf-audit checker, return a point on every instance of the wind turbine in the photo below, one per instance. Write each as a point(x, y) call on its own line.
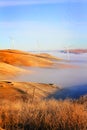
point(12, 42)
point(38, 46)
point(68, 54)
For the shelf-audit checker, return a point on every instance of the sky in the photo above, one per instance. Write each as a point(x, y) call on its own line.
point(43, 24)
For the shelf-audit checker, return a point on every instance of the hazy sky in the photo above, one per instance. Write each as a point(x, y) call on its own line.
point(43, 24)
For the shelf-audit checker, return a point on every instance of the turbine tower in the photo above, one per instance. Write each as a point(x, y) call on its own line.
point(38, 46)
point(12, 42)
point(68, 54)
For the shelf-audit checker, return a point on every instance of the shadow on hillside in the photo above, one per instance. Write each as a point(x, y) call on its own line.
point(20, 91)
point(73, 92)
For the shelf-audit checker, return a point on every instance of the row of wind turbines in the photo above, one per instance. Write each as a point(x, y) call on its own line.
point(38, 47)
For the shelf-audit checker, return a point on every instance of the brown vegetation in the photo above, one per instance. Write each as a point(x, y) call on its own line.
point(23, 107)
point(42, 115)
point(11, 60)
point(7, 70)
point(19, 58)
point(48, 56)
point(24, 90)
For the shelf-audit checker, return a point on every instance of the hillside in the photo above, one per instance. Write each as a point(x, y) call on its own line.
point(7, 70)
point(24, 90)
point(20, 58)
point(12, 61)
point(76, 51)
point(22, 107)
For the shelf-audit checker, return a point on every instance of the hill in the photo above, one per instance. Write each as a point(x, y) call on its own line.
point(76, 51)
point(12, 61)
point(20, 58)
point(7, 70)
point(25, 90)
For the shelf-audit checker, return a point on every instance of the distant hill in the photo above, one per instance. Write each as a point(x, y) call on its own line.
point(20, 58)
point(12, 60)
point(75, 51)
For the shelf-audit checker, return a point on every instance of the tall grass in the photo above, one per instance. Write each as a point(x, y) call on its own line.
point(43, 115)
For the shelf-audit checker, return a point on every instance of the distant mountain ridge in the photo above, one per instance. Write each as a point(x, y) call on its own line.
point(75, 51)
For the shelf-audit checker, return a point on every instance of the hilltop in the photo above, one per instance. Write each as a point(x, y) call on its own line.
point(76, 51)
point(7, 70)
point(12, 91)
point(12, 62)
point(21, 58)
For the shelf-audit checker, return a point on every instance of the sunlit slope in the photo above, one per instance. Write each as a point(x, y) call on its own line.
point(7, 70)
point(25, 90)
point(19, 58)
point(48, 56)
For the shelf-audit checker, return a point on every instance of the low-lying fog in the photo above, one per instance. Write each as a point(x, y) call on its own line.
point(71, 79)
point(63, 77)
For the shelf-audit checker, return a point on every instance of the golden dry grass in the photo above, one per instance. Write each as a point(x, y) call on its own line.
point(12, 60)
point(48, 56)
point(7, 70)
point(24, 90)
point(42, 115)
point(20, 58)
point(21, 109)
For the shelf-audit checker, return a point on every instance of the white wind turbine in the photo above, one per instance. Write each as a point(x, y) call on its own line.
point(38, 46)
point(68, 54)
point(12, 42)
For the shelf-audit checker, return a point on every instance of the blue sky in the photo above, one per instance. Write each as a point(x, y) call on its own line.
point(43, 24)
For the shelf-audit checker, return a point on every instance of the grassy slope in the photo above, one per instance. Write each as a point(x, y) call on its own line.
point(21, 109)
point(15, 57)
point(11, 58)
point(9, 70)
point(28, 110)
point(43, 115)
point(24, 90)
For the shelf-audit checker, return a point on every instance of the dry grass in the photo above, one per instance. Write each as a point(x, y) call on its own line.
point(42, 115)
point(48, 56)
point(36, 113)
point(20, 58)
point(7, 70)
point(21, 90)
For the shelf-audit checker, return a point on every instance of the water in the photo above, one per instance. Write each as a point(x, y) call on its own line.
point(72, 81)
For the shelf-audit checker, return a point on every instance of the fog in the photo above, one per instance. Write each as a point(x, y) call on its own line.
point(62, 77)
point(70, 79)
